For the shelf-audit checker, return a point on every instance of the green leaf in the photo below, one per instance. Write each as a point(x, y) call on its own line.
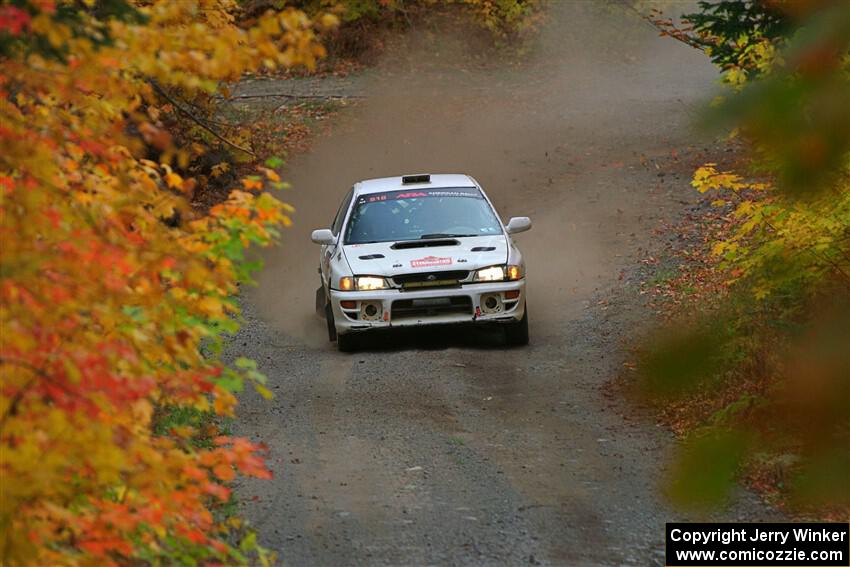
point(274, 162)
point(231, 381)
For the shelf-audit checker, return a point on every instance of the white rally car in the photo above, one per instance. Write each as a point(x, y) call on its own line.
point(420, 250)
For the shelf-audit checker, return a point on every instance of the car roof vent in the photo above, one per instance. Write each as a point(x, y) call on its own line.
point(419, 178)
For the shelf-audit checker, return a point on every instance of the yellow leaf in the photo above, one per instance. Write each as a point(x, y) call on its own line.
point(263, 391)
point(329, 21)
point(211, 306)
point(744, 209)
point(173, 180)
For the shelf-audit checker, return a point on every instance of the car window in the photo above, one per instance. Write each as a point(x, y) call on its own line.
point(340, 214)
point(420, 213)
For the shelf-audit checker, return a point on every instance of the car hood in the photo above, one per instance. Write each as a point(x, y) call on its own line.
point(467, 253)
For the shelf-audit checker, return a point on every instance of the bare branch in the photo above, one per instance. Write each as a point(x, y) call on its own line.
point(197, 120)
point(293, 96)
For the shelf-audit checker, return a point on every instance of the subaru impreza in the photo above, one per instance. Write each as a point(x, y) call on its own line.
point(420, 250)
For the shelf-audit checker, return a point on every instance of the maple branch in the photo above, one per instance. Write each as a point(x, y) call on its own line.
point(200, 122)
point(677, 34)
point(818, 256)
point(19, 395)
point(15, 401)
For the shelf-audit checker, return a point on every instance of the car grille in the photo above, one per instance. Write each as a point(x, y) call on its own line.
point(431, 307)
point(431, 279)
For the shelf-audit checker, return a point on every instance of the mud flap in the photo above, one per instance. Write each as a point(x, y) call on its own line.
point(320, 302)
point(329, 318)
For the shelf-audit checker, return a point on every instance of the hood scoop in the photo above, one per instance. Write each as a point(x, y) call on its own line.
point(371, 256)
point(483, 249)
point(428, 243)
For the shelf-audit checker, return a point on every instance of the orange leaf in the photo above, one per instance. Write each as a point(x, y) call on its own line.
point(224, 472)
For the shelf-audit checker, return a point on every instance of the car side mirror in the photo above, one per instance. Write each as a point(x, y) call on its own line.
point(323, 236)
point(518, 224)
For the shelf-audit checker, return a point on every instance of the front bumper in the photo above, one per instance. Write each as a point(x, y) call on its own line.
point(470, 303)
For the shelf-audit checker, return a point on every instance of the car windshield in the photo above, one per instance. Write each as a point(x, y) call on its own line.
point(420, 214)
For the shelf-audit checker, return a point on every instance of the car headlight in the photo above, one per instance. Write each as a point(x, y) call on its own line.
point(499, 273)
point(368, 283)
point(491, 274)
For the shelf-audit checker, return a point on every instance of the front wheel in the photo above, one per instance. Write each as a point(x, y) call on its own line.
point(516, 334)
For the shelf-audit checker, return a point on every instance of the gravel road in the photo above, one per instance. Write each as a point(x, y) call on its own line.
point(443, 447)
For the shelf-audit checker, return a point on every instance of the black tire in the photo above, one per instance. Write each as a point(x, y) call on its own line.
point(347, 342)
point(329, 319)
point(516, 334)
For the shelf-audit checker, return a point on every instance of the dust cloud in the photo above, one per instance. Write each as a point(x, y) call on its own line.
point(549, 137)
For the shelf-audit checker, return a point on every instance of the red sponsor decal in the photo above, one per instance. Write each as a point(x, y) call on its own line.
point(411, 195)
point(429, 261)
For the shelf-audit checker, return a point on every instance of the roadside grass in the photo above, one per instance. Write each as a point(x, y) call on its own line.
point(456, 450)
point(203, 425)
point(664, 275)
point(456, 441)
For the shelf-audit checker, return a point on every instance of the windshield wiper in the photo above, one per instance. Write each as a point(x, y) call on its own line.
point(443, 235)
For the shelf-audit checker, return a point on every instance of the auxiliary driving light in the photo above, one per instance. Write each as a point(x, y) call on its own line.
point(370, 311)
point(491, 303)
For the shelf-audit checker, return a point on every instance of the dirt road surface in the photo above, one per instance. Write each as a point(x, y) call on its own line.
point(444, 447)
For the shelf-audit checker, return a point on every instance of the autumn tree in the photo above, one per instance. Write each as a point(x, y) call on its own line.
point(106, 299)
point(776, 341)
